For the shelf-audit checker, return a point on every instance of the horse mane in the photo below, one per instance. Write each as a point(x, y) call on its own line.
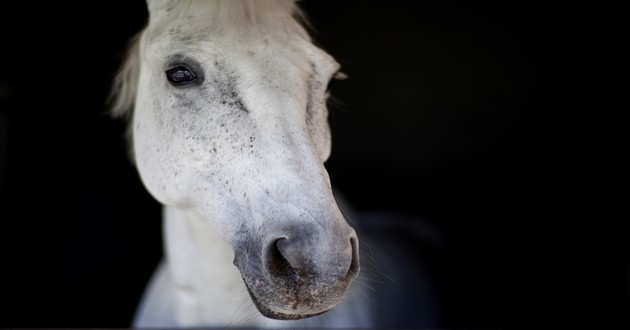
point(244, 12)
point(125, 85)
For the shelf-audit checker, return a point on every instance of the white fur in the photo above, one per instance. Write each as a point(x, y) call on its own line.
point(236, 160)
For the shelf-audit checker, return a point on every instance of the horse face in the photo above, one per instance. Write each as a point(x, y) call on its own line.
point(232, 123)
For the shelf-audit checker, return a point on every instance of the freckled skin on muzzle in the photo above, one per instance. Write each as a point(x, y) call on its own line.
point(301, 274)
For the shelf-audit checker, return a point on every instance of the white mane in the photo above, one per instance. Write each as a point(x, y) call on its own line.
point(123, 94)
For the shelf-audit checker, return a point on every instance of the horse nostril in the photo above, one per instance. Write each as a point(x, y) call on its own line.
point(277, 262)
point(295, 258)
point(354, 268)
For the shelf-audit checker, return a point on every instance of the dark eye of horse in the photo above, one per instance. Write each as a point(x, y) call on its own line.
point(180, 75)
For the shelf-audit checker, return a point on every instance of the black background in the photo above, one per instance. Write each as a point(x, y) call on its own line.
point(502, 125)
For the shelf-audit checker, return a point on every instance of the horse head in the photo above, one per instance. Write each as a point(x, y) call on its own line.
point(230, 121)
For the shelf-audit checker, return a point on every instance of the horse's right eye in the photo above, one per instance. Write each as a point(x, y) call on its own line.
point(180, 76)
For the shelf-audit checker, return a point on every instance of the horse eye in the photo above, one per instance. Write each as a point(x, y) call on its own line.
point(180, 75)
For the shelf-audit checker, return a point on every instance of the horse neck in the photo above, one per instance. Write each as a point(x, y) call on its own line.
point(208, 287)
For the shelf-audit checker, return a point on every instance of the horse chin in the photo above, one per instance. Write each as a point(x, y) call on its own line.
point(267, 312)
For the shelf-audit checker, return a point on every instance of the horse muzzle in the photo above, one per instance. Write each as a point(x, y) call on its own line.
point(300, 273)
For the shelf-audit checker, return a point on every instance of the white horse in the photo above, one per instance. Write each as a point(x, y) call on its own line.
point(228, 122)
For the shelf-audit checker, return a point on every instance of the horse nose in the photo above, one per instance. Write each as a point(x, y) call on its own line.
point(303, 254)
